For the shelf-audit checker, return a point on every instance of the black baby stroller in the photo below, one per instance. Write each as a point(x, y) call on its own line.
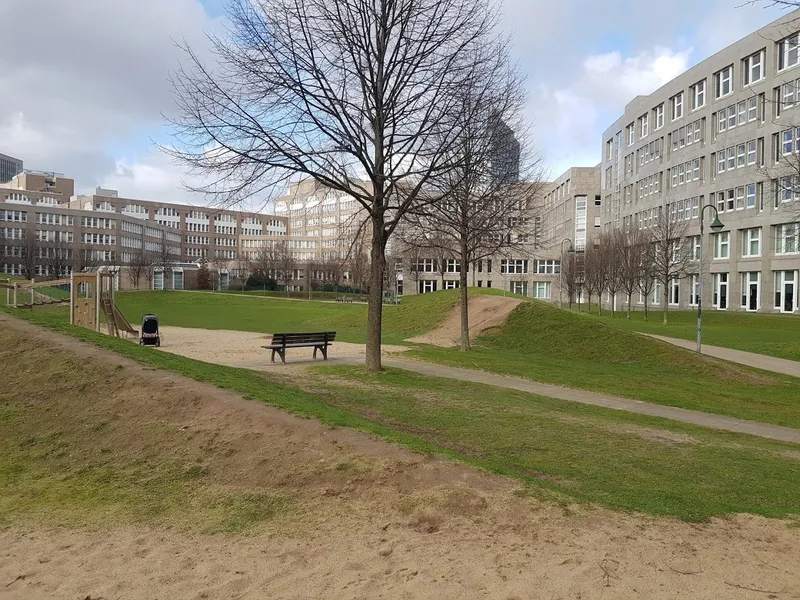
point(150, 335)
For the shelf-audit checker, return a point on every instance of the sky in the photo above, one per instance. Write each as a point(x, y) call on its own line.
point(84, 84)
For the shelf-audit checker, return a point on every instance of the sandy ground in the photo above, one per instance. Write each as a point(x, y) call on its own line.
point(484, 312)
point(244, 349)
point(399, 526)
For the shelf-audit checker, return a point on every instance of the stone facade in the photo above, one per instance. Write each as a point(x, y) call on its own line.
point(722, 133)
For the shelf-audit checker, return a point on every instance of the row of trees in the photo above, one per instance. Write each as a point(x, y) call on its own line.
point(632, 261)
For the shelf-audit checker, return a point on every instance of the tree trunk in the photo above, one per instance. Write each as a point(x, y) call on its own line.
point(375, 311)
point(465, 345)
point(628, 314)
point(645, 308)
point(666, 310)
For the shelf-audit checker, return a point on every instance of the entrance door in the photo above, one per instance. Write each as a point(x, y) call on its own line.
point(750, 290)
point(789, 290)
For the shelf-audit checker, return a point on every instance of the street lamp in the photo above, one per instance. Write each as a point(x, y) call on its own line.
point(561, 272)
point(716, 225)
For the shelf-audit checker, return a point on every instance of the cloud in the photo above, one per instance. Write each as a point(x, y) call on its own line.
point(572, 118)
point(93, 83)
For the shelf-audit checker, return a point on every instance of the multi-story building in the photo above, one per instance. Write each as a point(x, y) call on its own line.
point(724, 133)
point(570, 218)
point(505, 153)
point(44, 237)
point(9, 167)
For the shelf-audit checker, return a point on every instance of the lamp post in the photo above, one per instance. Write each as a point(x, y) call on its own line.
point(561, 272)
point(716, 225)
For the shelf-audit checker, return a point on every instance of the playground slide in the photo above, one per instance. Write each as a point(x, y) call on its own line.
point(116, 320)
point(122, 322)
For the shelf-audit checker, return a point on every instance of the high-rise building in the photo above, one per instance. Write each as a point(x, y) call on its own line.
point(504, 154)
point(9, 167)
point(725, 133)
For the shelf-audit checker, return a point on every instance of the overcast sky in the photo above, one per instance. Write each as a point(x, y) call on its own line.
point(83, 83)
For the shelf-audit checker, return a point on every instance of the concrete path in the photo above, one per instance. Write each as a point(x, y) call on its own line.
point(712, 421)
point(750, 359)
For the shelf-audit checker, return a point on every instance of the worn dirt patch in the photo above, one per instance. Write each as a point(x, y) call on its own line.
point(793, 454)
point(485, 312)
point(376, 521)
point(244, 348)
point(651, 434)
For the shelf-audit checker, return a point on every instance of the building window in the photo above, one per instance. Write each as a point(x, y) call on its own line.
point(723, 82)
point(541, 289)
point(452, 266)
point(659, 116)
point(427, 287)
point(675, 292)
point(787, 238)
point(694, 293)
point(751, 290)
point(631, 131)
point(644, 128)
point(722, 245)
point(788, 55)
point(514, 267)
point(677, 106)
point(751, 242)
point(451, 285)
point(753, 68)
point(519, 287)
point(786, 290)
point(720, 291)
point(548, 267)
point(698, 94)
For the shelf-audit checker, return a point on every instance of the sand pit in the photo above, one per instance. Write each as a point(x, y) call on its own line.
point(485, 312)
point(243, 349)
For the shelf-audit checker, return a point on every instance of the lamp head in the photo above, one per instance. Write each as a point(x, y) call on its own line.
point(717, 225)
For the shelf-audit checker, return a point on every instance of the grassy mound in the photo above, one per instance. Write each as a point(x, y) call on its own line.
point(543, 343)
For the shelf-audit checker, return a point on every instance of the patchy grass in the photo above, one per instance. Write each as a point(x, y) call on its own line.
point(560, 449)
point(545, 344)
point(772, 335)
point(414, 316)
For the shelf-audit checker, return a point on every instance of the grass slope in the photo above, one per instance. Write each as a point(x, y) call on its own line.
point(414, 316)
point(545, 344)
point(772, 335)
point(570, 451)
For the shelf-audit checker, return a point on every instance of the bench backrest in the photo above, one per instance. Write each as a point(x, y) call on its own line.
point(304, 338)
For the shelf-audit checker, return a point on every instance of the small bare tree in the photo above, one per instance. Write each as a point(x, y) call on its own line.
point(59, 258)
point(85, 259)
point(136, 265)
point(672, 257)
point(648, 281)
point(595, 271)
point(340, 92)
point(285, 264)
point(631, 249)
point(27, 251)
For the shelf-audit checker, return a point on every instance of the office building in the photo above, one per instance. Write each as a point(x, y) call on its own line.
point(725, 133)
point(9, 167)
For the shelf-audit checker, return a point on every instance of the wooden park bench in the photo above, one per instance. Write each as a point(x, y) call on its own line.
point(318, 341)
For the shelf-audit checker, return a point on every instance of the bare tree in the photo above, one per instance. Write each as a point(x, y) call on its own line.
point(357, 95)
point(136, 265)
point(59, 258)
point(631, 253)
point(29, 247)
point(612, 268)
point(595, 271)
point(85, 259)
point(483, 208)
point(672, 257)
point(782, 185)
point(285, 264)
point(648, 281)
point(164, 259)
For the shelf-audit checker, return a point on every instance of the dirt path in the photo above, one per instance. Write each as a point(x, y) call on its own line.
point(485, 312)
point(390, 524)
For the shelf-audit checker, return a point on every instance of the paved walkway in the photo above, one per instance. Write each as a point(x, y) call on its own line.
point(750, 359)
point(712, 421)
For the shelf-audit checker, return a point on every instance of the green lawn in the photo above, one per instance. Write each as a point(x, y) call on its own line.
point(545, 344)
point(414, 316)
point(773, 335)
point(561, 450)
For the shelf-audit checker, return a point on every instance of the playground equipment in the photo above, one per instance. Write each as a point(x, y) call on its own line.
point(93, 292)
point(26, 294)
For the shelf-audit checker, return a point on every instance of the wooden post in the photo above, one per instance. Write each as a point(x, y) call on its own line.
point(15, 295)
point(72, 297)
point(33, 297)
